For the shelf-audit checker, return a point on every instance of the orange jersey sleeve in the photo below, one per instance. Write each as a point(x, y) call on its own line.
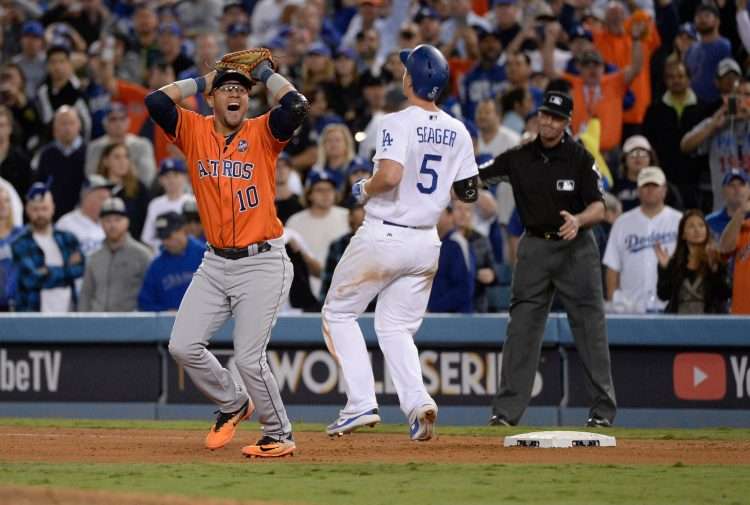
point(741, 278)
point(133, 96)
point(605, 104)
point(234, 183)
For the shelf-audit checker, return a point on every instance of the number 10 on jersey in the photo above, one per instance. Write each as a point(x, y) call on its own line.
point(248, 198)
point(431, 172)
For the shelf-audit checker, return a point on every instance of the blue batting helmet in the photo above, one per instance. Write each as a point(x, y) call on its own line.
point(428, 70)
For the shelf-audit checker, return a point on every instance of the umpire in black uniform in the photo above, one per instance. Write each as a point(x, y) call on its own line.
point(556, 188)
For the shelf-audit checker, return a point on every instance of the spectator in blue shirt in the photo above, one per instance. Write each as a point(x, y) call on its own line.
point(703, 57)
point(48, 261)
point(481, 249)
point(169, 275)
point(486, 79)
point(736, 189)
point(453, 286)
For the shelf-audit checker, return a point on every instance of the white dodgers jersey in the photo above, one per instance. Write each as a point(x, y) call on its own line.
point(435, 150)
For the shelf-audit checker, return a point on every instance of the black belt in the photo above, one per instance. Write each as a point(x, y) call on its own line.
point(239, 253)
point(546, 235)
point(391, 223)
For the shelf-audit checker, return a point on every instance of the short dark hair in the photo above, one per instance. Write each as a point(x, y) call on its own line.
point(512, 97)
point(560, 85)
point(58, 48)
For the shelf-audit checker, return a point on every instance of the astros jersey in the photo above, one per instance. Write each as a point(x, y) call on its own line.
point(741, 278)
point(234, 184)
point(435, 151)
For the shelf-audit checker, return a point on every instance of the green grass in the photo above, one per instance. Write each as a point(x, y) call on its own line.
point(625, 433)
point(397, 484)
point(410, 483)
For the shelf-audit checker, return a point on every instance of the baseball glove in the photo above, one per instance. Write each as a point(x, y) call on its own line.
point(245, 61)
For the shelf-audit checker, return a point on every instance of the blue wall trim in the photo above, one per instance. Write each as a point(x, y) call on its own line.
point(444, 330)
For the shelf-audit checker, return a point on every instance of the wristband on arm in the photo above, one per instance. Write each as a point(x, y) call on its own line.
point(190, 87)
point(275, 83)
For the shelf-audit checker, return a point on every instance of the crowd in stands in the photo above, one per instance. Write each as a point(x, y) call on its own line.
point(96, 213)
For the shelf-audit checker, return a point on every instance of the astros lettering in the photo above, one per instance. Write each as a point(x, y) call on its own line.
point(229, 168)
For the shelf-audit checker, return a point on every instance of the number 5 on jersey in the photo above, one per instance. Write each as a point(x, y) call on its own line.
point(431, 172)
point(248, 198)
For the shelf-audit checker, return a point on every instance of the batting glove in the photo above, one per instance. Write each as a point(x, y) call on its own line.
point(358, 191)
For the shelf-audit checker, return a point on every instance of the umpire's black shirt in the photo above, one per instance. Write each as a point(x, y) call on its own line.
point(546, 181)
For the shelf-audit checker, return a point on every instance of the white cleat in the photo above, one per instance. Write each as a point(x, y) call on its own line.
point(348, 424)
point(422, 422)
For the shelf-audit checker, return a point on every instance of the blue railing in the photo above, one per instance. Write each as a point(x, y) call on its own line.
point(651, 330)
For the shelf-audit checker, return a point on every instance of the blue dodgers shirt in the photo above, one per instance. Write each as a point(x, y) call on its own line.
point(480, 84)
point(453, 286)
point(701, 60)
point(168, 277)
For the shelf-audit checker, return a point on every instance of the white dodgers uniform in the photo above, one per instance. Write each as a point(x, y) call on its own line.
point(394, 255)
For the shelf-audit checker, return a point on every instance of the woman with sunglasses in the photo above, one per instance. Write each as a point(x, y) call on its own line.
point(638, 154)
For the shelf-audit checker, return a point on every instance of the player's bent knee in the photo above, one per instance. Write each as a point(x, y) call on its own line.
point(184, 353)
point(391, 331)
point(250, 364)
point(330, 315)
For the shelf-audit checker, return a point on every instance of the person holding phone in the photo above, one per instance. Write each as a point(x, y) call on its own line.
point(725, 137)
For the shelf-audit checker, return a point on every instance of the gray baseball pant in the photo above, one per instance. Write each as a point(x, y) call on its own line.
point(251, 290)
point(573, 270)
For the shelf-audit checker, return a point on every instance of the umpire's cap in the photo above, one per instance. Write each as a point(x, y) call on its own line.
point(223, 76)
point(558, 104)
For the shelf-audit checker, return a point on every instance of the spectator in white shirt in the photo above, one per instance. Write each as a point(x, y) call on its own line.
point(630, 256)
point(83, 221)
point(323, 221)
point(495, 139)
point(172, 177)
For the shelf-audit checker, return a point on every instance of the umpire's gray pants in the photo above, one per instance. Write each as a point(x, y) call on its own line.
point(251, 290)
point(573, 270)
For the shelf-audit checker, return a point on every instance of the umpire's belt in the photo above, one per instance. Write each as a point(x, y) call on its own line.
point(546, 235)
point(239, 253)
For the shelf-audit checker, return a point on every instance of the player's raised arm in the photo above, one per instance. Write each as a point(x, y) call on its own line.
point(161, 103)
point(293, 108)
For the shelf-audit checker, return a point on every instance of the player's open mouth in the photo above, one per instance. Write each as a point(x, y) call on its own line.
point(233, 107)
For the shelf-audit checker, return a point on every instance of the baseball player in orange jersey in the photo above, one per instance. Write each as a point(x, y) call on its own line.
point(245, 273)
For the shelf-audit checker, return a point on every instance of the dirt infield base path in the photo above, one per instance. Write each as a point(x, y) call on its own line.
point(186, 446)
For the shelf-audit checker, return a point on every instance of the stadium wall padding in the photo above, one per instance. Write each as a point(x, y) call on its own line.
point(668, 370)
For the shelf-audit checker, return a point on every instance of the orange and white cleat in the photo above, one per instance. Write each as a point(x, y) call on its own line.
point(269, 447)
point(222, 431)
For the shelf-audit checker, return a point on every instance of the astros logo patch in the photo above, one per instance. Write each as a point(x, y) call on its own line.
point(242, 146)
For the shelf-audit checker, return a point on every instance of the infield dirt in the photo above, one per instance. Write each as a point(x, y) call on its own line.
point(178, 446)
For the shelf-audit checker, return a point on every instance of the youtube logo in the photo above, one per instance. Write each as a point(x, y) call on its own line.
point(699, 376)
